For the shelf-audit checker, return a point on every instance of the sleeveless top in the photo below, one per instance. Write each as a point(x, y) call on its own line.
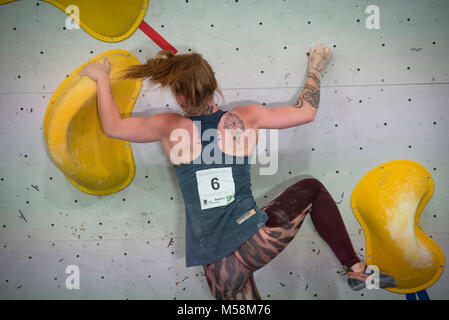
point(221, 213)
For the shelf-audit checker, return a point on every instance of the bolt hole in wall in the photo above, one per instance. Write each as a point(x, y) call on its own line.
point(405, 89)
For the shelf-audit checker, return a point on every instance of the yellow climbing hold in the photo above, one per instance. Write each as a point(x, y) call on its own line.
point(388, 202)
point(76, 142)
point(106, 20)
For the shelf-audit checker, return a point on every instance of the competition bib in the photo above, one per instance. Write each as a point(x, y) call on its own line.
point(215, 187)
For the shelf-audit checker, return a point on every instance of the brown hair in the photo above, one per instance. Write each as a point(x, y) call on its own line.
point(185, 74)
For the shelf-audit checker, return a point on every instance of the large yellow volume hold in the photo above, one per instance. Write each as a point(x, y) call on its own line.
point(388, 202)
point(76, 142)
point(106, 20)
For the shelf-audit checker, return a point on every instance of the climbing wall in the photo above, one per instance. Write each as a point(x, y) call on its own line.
point(384, 97)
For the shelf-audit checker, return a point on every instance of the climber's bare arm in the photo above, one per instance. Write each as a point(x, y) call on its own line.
point(148, 129)
point(132, 129)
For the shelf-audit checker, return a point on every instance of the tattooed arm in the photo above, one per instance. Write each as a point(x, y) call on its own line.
point(310, 95)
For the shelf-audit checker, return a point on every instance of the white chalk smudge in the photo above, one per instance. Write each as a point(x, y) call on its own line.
point(401, 229)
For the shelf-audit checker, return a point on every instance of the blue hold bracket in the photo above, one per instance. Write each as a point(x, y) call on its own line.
point(421, 295)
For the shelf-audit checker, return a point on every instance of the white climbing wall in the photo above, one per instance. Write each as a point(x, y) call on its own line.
point(384, 97)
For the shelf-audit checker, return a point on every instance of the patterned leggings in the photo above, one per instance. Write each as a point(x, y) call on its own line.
point(231, 278)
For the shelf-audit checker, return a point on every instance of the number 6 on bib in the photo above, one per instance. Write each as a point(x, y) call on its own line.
point(215, 187)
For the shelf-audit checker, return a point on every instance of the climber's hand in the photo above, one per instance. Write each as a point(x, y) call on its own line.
point(96, 70)
point(319, 56)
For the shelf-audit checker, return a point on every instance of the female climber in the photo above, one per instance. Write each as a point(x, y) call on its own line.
point(226, 232)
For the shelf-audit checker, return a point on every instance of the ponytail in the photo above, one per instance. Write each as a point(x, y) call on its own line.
point(185, 74)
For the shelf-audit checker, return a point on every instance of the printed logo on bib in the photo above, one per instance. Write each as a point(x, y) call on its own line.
point(215, 187)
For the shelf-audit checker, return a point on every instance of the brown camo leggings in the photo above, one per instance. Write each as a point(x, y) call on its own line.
point(231, 278)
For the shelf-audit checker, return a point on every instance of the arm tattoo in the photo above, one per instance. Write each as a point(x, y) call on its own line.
point(319, 69)
point(314, 78)
point(235, 126)
point(311, 94)
point(321, 63)
point(299, 103)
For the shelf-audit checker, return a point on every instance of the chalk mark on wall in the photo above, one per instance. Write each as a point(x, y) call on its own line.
point(22, 216)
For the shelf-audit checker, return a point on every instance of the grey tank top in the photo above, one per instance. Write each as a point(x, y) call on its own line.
point(221, 213)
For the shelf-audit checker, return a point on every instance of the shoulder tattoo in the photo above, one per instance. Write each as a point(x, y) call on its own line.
point(234, 125)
